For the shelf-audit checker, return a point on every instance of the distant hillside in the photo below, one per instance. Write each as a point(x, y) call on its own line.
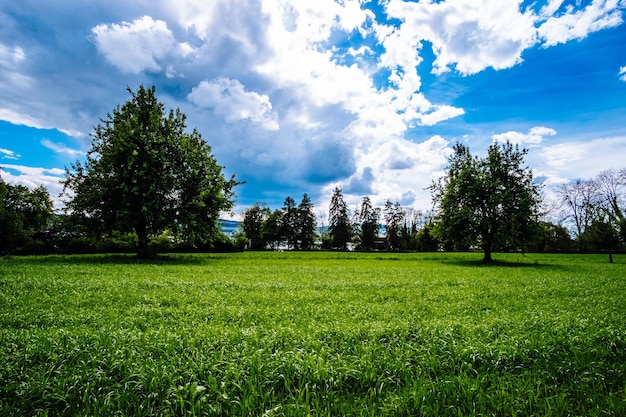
point(229, 227)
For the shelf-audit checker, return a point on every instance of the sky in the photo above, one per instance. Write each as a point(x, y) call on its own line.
point(300, 96)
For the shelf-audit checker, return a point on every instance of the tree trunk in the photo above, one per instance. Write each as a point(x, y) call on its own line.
point(487, 251)
point(143, 251)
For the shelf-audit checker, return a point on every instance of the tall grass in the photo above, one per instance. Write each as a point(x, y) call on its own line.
point(323, 334)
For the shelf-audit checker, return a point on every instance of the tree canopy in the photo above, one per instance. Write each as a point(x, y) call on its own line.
point(490, 202)
point(145, 173)
point(24, 213)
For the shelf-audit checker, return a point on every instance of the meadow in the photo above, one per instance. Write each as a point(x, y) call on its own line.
point(313, 334)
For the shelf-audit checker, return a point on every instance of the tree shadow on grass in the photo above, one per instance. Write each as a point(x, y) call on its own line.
point(497, 263)
point(526, 262)
point(124, 259)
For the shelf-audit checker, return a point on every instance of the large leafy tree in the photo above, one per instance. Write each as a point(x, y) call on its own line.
point(145, 173)
point(491, 202)
point(340, 229)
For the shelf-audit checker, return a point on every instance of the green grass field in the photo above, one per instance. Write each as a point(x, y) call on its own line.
point(321, 334)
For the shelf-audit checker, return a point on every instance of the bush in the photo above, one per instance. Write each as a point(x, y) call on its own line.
point(82, 244)
point(241, 241)
point(160, 244)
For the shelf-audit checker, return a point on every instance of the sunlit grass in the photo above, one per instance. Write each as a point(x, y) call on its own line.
point(313, 334)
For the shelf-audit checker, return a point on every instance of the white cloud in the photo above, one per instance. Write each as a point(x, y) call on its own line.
point(577, 24)
point(229, 99)
point(61, 148)
point(467, 35)
point(440, 114)
point(198, 15)
point(534, 137)
point(622, 73)
point(551, 7)
point(583, 159)
point(33, 177)
point(9, 154)
point(398, 170)
point(561, 162)
point(360, 183)
point(12, 59)
point(140, 45)
point(329, 93)
point(17, 118)
point(23, 97)
point(11, 56)
point(297, 90)
point(470, 36)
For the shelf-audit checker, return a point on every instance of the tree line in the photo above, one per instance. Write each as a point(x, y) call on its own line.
point(488, 204)
point(149, 186)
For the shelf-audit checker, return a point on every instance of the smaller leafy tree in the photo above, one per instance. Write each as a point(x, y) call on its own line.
point(604, 236)
point(253, 219)
point(24, 216)
point(555, 238)
point(425, 240)
point(491, 202)
point(340, 228)
point(272, 229)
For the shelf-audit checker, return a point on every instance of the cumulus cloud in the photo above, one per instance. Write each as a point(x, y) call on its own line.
point(622, 73)
point(138, 46)
point(398, 170)
point(301, 94)
point(534, 137)
point(229, 99)
point(469, 36)
point(577, 24)
point(360, 183)
point(466, 35)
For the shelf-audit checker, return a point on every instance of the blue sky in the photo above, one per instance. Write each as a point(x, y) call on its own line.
point(300, 97)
